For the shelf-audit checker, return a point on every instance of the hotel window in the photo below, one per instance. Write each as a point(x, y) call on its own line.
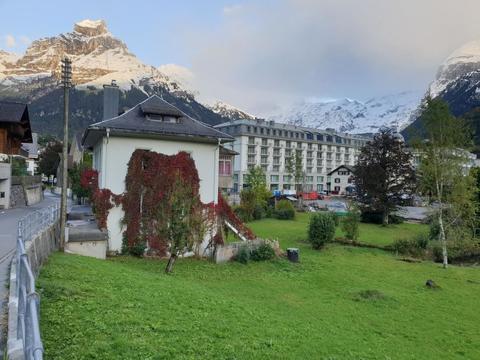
point(310, 154)
point(320, 179)
point(274, 178)
point(264, 142)
point(309, 170)
point(288, 144)
point(309, 179)
point(296, 135)
point(261, 130)
point(255, 130)
point(264, 159)
point(319, 137)
point(235, 177)
point(319, 170)
point(286, 178)
point(251, 159)
point(329, 138)
point(251, 150)
point(309, 162)
point(276, 143)
point(251, 140)
point(225, 166)
point(276, 168)
point(274, 132)
point(276, 152)
point(310, 146)
point(264, 151)
point(265, 168)
point(299, 144)
point(319, 155)
point(268, 131)
point(249, 129)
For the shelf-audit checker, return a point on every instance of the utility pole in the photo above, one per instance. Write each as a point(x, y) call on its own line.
point(67, 84)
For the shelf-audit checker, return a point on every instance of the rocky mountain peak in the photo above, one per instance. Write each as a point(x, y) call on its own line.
point(89, 27)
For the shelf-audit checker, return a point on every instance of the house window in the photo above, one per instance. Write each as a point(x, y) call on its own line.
point(225, 166)
point(337, 180)
point(2, 194)
point(337, 189)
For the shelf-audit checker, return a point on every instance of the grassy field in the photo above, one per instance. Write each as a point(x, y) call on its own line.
point(289, 232)
point(338, 303)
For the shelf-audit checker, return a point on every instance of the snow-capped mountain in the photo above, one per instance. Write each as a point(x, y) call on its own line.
point(230, 111)
point(463, 61)
point(353, 116)
point(97, 59)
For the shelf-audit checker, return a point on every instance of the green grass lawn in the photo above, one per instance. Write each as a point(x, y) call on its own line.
point(127, 308)
point(290, 231)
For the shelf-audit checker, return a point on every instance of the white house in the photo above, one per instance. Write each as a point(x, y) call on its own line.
point(340, 180)
point(158, 126)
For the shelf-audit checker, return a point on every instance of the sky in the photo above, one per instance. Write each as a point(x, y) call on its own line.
point(258, 55)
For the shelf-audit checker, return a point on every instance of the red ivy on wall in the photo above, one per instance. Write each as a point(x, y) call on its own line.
point(148, 183)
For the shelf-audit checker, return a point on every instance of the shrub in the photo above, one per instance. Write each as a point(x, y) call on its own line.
point(284, 210)
point(415, 247)
point(350, 225)
point(458, 251)
point(137, 249)
point(248, 204)
point(243, 254)
point(335, 218)
point(321, 229)
point(263, 252)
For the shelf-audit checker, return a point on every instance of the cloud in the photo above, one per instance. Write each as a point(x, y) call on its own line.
point(25, 40)
point(272, 52)
point(10, 41)
point(232, 9)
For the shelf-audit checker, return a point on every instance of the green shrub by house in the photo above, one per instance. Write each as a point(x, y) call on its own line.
point(284, 210)
point(321, 229)
point(262, 253)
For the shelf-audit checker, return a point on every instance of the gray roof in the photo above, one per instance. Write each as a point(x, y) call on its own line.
point(14, 112)
point(348, 167)
point(145, 120)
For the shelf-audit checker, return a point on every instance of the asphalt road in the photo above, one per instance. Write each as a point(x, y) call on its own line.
point(8, 233)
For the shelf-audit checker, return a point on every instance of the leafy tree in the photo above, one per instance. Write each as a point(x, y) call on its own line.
point(49, 158)
point(254, 198)
point(294, 167)
point(384, 174)
point(442, 168)
point(179, 223)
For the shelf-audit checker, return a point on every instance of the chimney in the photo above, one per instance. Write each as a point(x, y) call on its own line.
point(111, 95)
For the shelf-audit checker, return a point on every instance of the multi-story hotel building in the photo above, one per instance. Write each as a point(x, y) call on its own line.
point(270, 144)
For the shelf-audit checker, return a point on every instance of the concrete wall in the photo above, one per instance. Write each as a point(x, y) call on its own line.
point(25, 191)
point(115, 153)
point(5, 184)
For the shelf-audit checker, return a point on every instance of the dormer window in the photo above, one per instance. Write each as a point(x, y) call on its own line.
point(164, 118)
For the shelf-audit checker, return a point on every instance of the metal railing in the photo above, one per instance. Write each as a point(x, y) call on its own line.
point(28, 325)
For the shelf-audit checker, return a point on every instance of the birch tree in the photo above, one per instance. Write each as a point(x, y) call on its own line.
point(443, 173)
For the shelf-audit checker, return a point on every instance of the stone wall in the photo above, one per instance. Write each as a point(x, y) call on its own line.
point(25, 191)
point(228, 252)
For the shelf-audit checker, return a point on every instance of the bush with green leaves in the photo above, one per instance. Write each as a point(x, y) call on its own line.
point(243, 254)
point(284, 210)
point(262, 253)
point(258, 212)
point(350, 225)
point(416, 247)
point(321, 229)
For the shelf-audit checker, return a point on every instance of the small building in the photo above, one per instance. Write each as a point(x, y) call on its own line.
point(30, 152)
point(14, 130)
point(340, 181)
point(225, 170)
point(158, 126)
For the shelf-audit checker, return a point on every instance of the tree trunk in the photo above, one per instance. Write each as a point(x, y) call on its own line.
point(385, 217)
point(170, 263)
point(443, 240)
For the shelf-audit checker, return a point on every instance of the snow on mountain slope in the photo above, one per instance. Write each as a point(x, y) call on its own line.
point(461, 62)
point(230, 111)
point(96, 55)
point(353, 116)
point(179, 74)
